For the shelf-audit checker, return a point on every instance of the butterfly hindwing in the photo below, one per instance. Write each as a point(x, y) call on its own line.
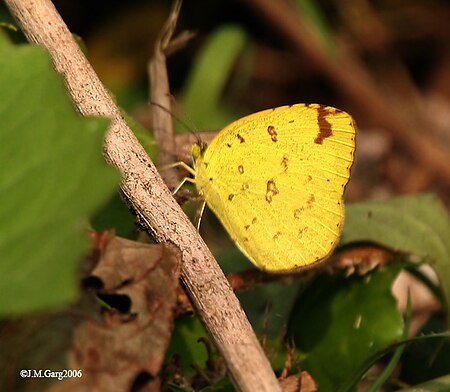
point(276, 179)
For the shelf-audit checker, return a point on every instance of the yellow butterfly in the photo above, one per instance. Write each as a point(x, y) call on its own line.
point(276, 178)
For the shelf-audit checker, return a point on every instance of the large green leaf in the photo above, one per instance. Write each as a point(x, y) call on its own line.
point(53, 177)
point(207, 80)
point(339, 322)
point(417, 225)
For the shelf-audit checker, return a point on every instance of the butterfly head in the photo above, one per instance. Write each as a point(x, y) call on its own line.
point(198, 149)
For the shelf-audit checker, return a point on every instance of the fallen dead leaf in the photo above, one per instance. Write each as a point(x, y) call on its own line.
point(124, 346)
point(301, 382)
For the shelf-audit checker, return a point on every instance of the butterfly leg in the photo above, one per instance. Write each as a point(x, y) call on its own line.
point(185, 166)
point(199, 214)
point(185, 179)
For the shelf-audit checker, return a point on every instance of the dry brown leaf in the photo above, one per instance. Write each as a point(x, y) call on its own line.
point(126, 345)
point(301, 382)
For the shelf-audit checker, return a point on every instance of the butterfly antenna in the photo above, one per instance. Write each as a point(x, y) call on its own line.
point(178, 119)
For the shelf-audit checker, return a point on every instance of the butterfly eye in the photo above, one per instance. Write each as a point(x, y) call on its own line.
point(198, 149)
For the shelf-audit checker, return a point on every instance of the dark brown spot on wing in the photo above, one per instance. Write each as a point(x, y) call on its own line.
point(324, 126)
point(302, 231)
point(298, 212)
point(277, 235)
point(273, 134)
point(241, 138)
point(271, 191)
point(284, 162)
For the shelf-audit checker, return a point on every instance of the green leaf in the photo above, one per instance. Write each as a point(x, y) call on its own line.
point(376, 357)
point(208, 78)
point(427, 359)
point(339, 322)
point(269, 307)
point(417, 225)
point(441, 384)
point(184, 342)
point(312, 13)
point(53, 177)
point(393, 362)
point(115, 215)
